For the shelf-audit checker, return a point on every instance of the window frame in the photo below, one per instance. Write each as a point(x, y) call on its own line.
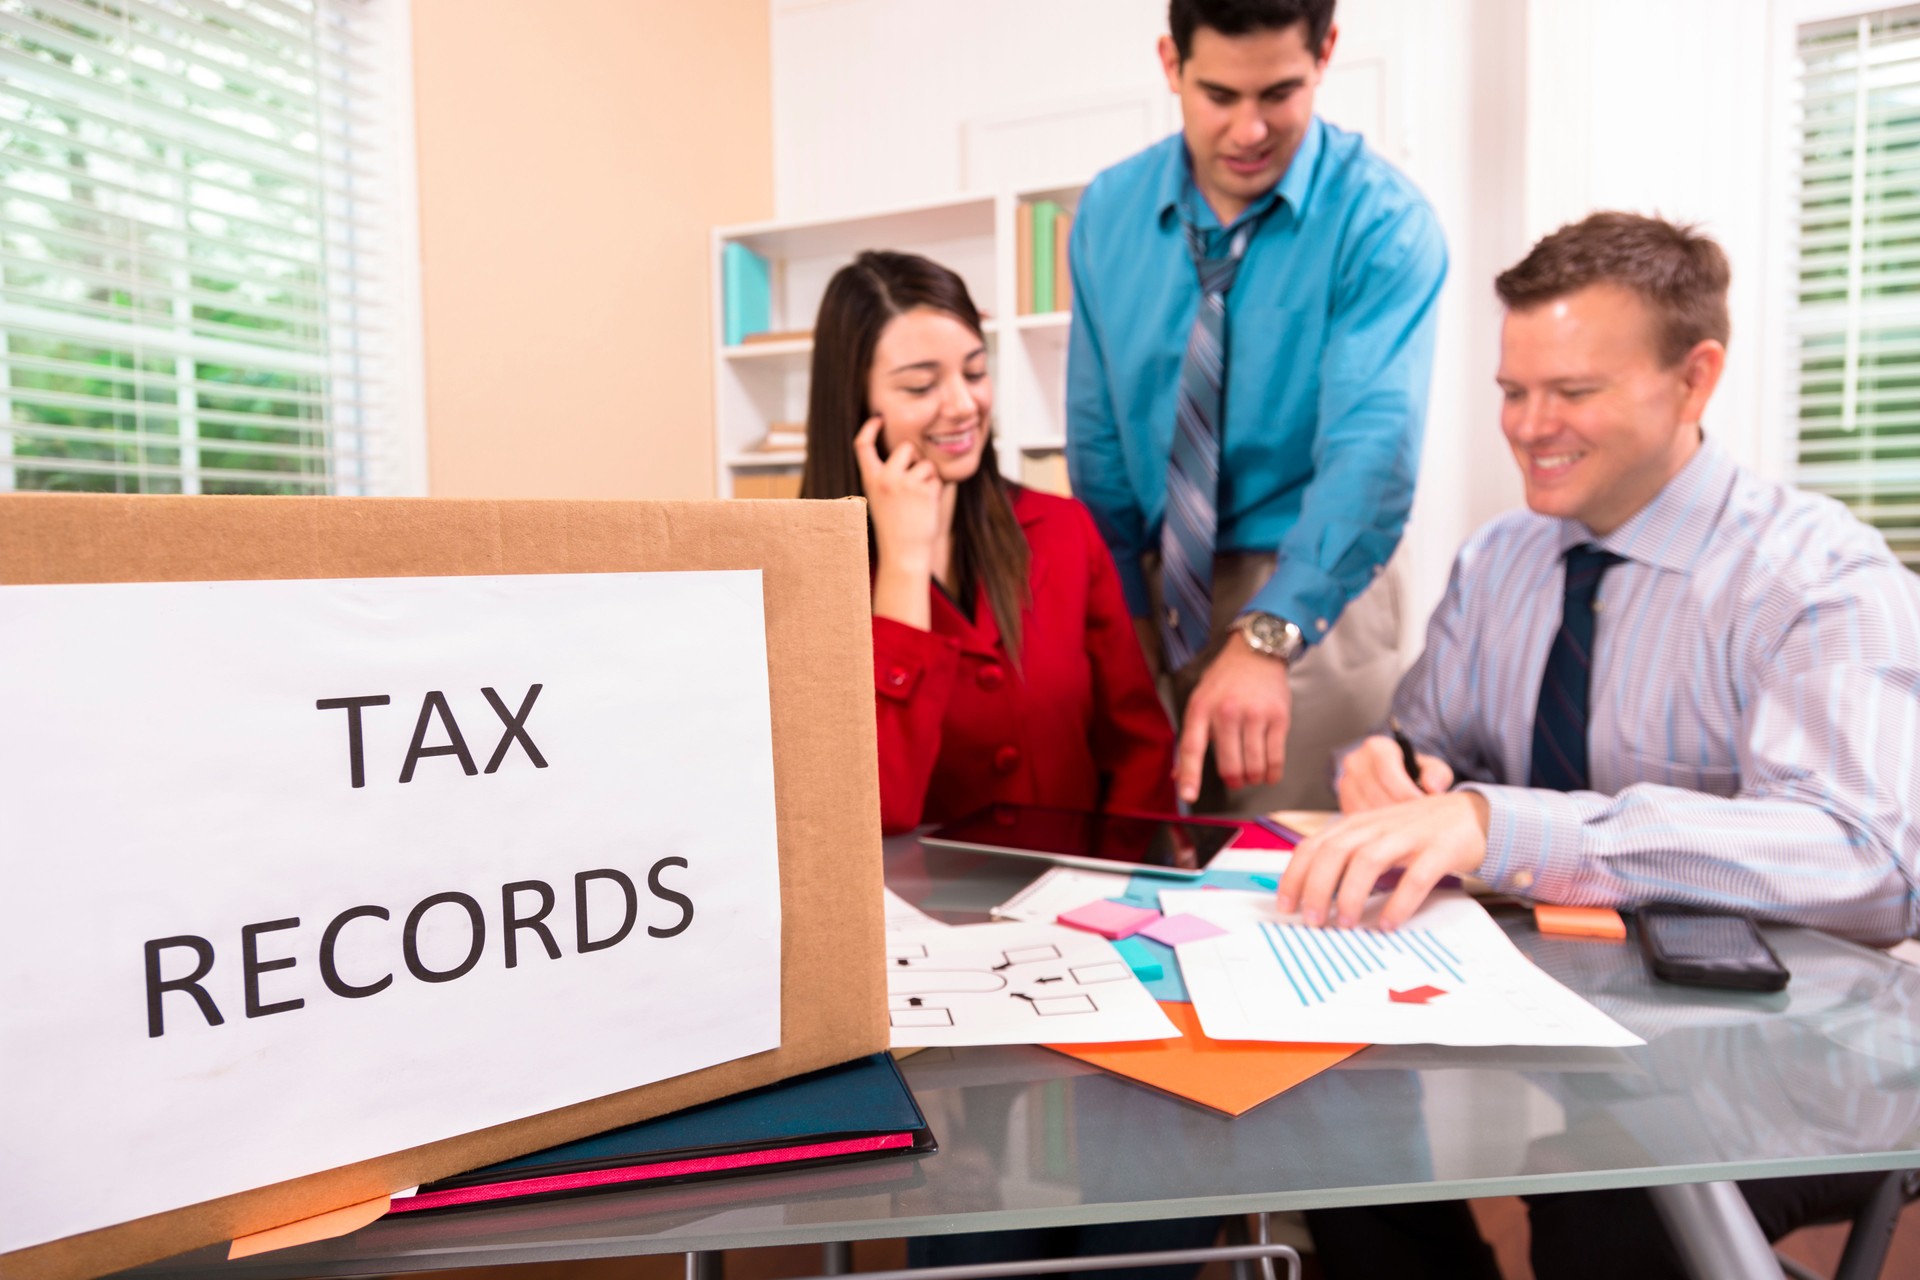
point(1777, 449)
point(389, 164)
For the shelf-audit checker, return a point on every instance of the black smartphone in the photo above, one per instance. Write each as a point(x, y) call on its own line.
point(1704, 949)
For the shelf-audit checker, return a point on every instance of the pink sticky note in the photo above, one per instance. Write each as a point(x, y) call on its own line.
point(1174, 930)
point(1113, 920)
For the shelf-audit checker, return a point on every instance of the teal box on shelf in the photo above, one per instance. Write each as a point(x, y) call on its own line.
point(746, 291)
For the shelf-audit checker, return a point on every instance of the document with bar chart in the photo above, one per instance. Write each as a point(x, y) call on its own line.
point(1447, 976)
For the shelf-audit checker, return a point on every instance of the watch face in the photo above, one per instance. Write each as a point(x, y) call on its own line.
point(1272, 635)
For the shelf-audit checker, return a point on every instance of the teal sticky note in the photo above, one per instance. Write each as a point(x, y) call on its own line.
point(1145, 890)
point(1143, 953)
point(1147, 971)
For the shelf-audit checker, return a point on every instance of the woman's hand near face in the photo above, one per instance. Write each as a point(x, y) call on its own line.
point(903, 501)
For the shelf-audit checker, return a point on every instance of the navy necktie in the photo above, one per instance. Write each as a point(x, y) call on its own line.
point(1188, 532)
point(1560, 718)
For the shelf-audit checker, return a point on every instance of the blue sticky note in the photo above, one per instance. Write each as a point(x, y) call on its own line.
point(1142, 954)
point(1144, 891)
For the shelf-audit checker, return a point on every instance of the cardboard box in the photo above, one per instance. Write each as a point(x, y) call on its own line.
point(814, 563)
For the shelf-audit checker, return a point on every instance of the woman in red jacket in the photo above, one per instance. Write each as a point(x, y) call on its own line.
point(1006, 668)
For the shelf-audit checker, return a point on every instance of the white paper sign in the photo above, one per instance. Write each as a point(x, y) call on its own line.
point(433, 853)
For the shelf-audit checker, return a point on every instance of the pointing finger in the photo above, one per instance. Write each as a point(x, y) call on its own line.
point(1192, 755)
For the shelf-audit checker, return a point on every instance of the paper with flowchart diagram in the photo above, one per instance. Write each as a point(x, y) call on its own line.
point(1014, 983)
point(1448, 975)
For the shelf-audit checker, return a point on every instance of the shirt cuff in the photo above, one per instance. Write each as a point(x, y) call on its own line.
point(1305, 595)
point(1533, 839)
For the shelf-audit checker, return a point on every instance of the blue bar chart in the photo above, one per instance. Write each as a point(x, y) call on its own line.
point(1317, 963)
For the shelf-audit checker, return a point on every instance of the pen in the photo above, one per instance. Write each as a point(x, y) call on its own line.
point(1268, 825)
point(1405, 744)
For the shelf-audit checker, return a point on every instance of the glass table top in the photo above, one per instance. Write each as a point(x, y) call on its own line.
point(1822, 1077)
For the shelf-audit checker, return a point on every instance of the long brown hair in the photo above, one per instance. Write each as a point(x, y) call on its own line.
point(988, 546)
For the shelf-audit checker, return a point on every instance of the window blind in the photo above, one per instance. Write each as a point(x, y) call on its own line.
point(191, 267)
point(1856, 242)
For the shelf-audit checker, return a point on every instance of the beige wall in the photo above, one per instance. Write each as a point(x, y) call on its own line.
point(573, 156)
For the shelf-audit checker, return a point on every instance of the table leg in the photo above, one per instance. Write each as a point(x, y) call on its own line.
point(706, 1266)
point(836, 1257)
point(1714, 1231)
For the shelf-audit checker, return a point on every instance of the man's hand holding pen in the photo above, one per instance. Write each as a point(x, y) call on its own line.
point(1390, 820)
point(1375, 775)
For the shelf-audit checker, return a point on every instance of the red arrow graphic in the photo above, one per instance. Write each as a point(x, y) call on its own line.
point(1415, 995)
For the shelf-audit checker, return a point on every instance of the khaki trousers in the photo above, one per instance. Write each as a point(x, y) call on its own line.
point(1341, 685)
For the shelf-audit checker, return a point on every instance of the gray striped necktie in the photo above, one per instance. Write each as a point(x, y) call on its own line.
point(1188, 532)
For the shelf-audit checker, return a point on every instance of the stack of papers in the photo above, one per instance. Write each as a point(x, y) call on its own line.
point(1273, 999)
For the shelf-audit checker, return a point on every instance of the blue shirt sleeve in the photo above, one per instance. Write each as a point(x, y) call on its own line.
point(1095, 466)
point(1374, 372)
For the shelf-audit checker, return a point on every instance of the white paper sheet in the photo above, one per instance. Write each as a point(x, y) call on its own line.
point(168, 779)
point(1258, 861)
point(1058, 890)
point(1273, 977)
point(1015, 983)
point(903, 915)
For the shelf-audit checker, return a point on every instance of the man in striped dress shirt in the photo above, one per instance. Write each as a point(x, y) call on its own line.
point(1668, 681)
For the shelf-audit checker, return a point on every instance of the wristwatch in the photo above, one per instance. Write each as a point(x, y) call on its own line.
point(1271, 634)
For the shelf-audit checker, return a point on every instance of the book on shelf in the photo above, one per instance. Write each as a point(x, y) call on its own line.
point(1045, 222)
point(1023, 256)
point(746, 292)
point(777, 335)
point(783, 437)
point(1041, 230)
point(1062, 279)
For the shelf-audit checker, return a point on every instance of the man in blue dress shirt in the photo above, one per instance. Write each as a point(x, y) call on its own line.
point(1253, 322)
point(1669, 680)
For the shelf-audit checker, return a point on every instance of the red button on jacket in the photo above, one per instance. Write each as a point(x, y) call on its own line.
point(1006, 760)
point(1078, 709)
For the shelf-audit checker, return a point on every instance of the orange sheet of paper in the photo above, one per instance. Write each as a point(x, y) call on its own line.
point(321, 1226)
point(1580, 922)
point(1233, 1076)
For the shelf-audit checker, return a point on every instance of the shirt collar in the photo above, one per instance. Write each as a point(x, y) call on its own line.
point(1294, 187)
point(1671, 531)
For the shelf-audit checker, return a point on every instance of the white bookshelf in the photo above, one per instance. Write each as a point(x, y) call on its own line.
point(757, 384)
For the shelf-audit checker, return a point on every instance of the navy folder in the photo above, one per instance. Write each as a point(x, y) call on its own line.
point(856, 1111)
